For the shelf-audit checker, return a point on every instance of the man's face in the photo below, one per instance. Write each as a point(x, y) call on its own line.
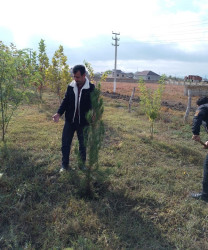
point(79, 79)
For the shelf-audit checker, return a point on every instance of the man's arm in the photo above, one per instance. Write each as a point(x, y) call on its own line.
point(62, 108)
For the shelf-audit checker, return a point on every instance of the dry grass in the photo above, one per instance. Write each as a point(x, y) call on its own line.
point(172, 93)
point(143, 204)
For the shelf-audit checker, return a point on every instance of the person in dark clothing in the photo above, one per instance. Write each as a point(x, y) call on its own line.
point(201, 118)
point(75, 105)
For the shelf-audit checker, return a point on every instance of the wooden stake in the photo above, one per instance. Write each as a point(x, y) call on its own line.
point(131, 98)
point(188, 106)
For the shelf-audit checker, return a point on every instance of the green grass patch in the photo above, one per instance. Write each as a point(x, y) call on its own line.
point(143, 204)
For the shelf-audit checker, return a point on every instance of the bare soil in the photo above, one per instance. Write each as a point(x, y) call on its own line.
point(173, 96)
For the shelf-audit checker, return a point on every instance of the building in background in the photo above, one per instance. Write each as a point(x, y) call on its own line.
point(193, 78)
point(147, 75)
point(119, 74)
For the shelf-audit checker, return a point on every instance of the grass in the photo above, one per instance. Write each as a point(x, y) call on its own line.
point(143, 204)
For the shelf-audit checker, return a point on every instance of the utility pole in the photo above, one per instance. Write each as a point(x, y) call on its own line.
point(29, 50)
point(30, 53)
point(116, 39)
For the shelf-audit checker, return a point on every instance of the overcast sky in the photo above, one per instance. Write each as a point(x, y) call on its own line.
point(165, 36)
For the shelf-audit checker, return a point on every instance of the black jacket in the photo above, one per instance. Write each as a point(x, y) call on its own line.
point(69, 103)
point(201, 116)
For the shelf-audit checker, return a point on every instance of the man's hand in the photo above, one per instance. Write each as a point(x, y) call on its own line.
point(56, 117)
point(206, 144)
point(196, 138)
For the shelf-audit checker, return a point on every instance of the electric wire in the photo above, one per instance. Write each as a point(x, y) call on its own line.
point(198, 30)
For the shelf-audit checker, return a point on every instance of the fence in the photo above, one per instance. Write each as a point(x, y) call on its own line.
point(196, 90)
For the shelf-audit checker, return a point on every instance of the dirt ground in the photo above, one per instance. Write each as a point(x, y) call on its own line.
point(173, 96)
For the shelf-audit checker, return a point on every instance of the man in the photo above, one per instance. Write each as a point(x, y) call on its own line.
point(75, 105)
point(201, 117)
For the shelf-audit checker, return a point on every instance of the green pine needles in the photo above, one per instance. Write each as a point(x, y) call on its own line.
point(95, 134)
point(150, 101)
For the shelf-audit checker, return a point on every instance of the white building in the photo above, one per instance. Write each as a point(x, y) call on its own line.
point(119, 74)
point(147, 75)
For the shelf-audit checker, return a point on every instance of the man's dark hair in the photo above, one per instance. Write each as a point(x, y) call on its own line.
point(202, 100)
point(80, 68)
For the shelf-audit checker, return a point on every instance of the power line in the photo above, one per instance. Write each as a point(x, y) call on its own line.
point(181, 31)
point(175, 42)
point(180, 34)
point(187, 31)
point(184, 24)
point(198, 30)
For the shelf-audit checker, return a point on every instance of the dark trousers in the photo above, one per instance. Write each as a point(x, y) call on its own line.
point(67, 136)
point(205, 176)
